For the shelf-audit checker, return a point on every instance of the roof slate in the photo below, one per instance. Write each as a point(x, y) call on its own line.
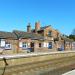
point(41, 28)
point(4, 35)
point(22, 34)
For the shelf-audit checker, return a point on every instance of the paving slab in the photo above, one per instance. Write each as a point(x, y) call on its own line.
point(70, 73)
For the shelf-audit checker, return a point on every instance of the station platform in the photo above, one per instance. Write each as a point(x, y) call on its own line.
point(70, 73)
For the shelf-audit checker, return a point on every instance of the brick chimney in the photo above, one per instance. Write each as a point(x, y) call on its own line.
point(37, 26)
point(29, 28)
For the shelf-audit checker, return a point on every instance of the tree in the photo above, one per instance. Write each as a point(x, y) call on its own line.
point(73, 32)
point(72, 35)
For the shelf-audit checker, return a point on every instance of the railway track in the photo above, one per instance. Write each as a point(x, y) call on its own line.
point(47, 67)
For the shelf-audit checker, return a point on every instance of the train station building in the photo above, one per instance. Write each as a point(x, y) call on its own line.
point(39, 39)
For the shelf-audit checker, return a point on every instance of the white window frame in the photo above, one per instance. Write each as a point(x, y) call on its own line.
point(49, 33)
point(8, 45)
point(44, 44)
point(20, 44)
point(24, 45)
point(2, 42)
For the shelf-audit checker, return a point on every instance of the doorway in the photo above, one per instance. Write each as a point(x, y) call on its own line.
point(32, 47)
point(50, 45)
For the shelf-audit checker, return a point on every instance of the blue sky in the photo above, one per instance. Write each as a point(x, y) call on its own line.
point(15, 14)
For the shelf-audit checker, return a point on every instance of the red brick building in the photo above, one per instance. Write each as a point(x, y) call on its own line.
point(39, 39)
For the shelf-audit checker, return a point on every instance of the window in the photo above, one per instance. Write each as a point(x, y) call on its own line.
point(2, 42)
point(7, 45)
point(44, 44)
point(24, 45)
point(50, 33)
point(20, 44)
